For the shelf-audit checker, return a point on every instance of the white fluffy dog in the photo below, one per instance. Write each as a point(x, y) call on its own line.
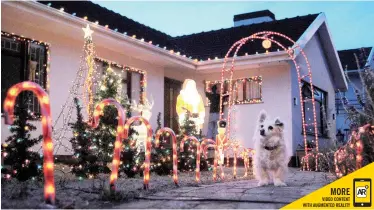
point(271, 153)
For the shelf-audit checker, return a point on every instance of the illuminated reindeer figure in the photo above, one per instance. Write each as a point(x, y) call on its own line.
point(145, 111)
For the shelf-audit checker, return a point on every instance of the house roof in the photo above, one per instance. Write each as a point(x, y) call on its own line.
point(201, 45)
point(95, 12)
point(216, 43)
point(348, 60)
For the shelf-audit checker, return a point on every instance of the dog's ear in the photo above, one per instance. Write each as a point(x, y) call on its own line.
point(278, 123)
point(262, 116)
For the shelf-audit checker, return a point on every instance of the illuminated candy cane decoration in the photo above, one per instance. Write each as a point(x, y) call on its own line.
point(45, 109)
point(204, 149)
point(194, 139)
point(215, 159)
point(175, 157)
point(99, 110)
point(216, 153)
point(206, 142)
point(147, 161)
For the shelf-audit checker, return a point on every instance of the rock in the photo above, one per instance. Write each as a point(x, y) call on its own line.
point(46, 206)
point(69, 205)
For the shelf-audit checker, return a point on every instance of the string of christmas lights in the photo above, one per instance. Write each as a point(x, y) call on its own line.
point(91, 76)
point(143, 41)
point(83, 87)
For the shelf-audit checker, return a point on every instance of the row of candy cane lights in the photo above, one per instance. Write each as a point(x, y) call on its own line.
point(122, 133)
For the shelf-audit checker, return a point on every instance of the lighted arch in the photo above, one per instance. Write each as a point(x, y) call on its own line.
point(267, 35)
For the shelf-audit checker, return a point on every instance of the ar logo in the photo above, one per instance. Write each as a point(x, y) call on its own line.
point(361, 191)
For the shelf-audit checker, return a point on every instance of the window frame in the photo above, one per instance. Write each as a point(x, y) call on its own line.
point(25, 57)
point(129, 70)
point(246, 100)
point(323, 103)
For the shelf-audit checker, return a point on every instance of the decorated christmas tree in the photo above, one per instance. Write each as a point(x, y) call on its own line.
point(104, 135)
point(85, 164)
point(187, 158)
point(161, 159)
point(19, 161)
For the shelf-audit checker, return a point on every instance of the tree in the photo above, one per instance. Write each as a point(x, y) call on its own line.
point(187, 158)
point(85, 165)
point(361, 114)
point(104, 135)
point(19, 162)
point(161, 157)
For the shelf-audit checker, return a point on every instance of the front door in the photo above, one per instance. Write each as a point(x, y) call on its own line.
point(171, 91)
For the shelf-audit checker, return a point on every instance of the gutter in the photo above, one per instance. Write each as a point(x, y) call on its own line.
point(73, 21)
point(256, 59)
point(173, 57)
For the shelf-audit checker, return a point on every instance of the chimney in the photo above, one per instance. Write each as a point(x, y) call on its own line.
point(253, 18)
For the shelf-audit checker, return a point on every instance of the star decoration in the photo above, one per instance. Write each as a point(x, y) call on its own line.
point(87, 32)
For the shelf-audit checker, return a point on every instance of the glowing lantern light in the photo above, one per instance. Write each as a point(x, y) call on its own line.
point(266, 44)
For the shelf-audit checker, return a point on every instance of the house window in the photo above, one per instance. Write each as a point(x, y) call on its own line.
point(320, 98)
point(125, 77)
point(133, 80)
point(245, 90)
point(23, 60)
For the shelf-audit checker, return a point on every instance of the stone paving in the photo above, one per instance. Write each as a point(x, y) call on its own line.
point(239, 194)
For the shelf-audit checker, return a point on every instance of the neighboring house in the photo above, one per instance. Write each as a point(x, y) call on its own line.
point(365, 57)
point(270, 78)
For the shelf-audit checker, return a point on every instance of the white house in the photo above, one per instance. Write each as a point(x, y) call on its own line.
point(168, 61)
point(347, 58)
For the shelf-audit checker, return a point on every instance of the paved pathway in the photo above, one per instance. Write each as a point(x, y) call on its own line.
point(240, 194)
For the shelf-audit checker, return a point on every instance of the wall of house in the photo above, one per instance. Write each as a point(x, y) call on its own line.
point(354, 82)
point(65, 57)
point(276, 89)
point(321, 79)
